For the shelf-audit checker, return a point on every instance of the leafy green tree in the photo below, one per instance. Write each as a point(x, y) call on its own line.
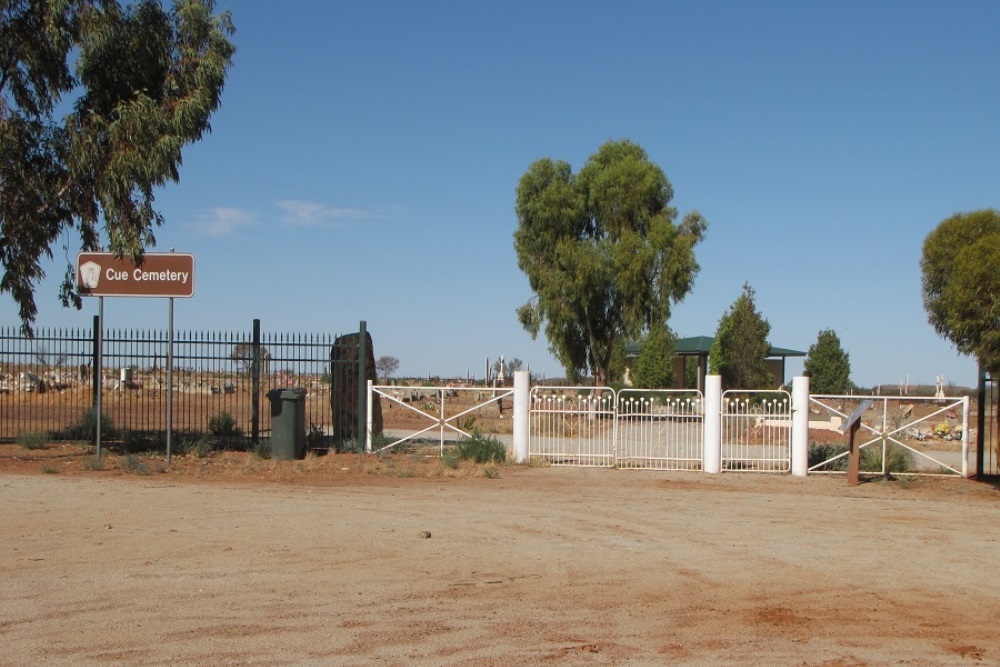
point(961, 284)
point(654, 366)
point(827, 365)
point(739, 353)
point(139, 83)
point(603, 254)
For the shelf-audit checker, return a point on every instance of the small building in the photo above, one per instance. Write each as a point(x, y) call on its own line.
point(695, 350)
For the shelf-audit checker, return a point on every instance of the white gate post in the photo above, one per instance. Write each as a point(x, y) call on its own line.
point(522, 401)
point(965, 437)
point(800, 426)
point(369, 419)
point(712, 447)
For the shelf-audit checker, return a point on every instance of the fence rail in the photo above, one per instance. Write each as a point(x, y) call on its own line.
point(48, 383)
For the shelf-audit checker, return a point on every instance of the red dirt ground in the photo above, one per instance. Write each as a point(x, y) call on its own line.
point(349, 560)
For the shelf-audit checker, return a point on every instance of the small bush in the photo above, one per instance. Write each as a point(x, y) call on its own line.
point(49, 469)
point(138, 441)
point(315, 438)
point(353, 446)
point(491, 470)
point(133, 464)
point(85, 428)
point(33, 440)
point(825, 452)
point(198, 445)
point(450, 458)
point(262, 448)
point(482, 449)
point(92, 463)
point(897, 459)
point(224, 426)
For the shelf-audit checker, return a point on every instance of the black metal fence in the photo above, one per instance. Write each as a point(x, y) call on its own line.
point(48, 384)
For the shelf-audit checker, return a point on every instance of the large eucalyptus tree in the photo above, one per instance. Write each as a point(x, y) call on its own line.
point(97, 101)
point(603, 252)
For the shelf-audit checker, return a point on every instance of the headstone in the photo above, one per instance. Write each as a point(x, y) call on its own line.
point(344, 391)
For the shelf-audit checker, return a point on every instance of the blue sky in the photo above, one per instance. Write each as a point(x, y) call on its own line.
point(364, 162)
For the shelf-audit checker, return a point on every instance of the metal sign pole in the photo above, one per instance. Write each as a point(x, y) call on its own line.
point(170, 375)
point(99, 371)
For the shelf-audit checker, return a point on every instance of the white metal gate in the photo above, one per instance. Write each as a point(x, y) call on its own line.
point(757, 431)
point(633, 428)
point(572, 426)
point(898, 434)
point(660, 429)
point(445, 412)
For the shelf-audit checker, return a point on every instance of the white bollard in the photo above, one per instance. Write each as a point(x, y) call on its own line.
point(800, 426)
point(712, 448)
point(522, 402)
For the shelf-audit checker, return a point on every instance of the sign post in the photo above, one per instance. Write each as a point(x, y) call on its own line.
point(160, 274)
point(852, 424)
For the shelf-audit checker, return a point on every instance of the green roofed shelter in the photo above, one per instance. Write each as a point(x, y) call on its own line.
point(696, 349)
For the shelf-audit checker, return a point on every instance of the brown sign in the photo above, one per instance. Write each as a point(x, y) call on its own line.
point(163, 274)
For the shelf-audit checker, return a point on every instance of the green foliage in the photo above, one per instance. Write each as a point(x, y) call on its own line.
point(602, 254)
point(92, 463)
point(85, 428)
point(197, 444)
point(818, 453)
point(142, 441)
point(133, 464)
point(450, 458)
point(224, 426)
point(961, 282)
point(898, 459)
point(482, 449)
point(740, 350)
point(654, 367)
point(316, 438)
point(827, 365)
point(262, 448)
point(690, 373)
point(99, 100)
point(32, 440)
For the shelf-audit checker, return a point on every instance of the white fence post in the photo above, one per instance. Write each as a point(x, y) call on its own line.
point(965, 437)
point(522, 403)
point(712, 454)
point(369, 418)
point(800, 426)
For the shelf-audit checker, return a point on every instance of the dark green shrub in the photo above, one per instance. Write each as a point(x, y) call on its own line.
point(197, 444)
point(140, 441)
point(823, 452)
point(85, 428)
point(450, 458)
point(32, 440)
point(897, 459)
point(262, 448)
point(133, 464)
point(224, 426)
point(316, 438)
point(482, 449)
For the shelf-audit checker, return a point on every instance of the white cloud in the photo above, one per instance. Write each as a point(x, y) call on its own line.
point(222, 221)
point(298, 212)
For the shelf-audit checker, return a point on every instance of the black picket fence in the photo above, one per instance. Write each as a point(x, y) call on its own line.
point(221, 381)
